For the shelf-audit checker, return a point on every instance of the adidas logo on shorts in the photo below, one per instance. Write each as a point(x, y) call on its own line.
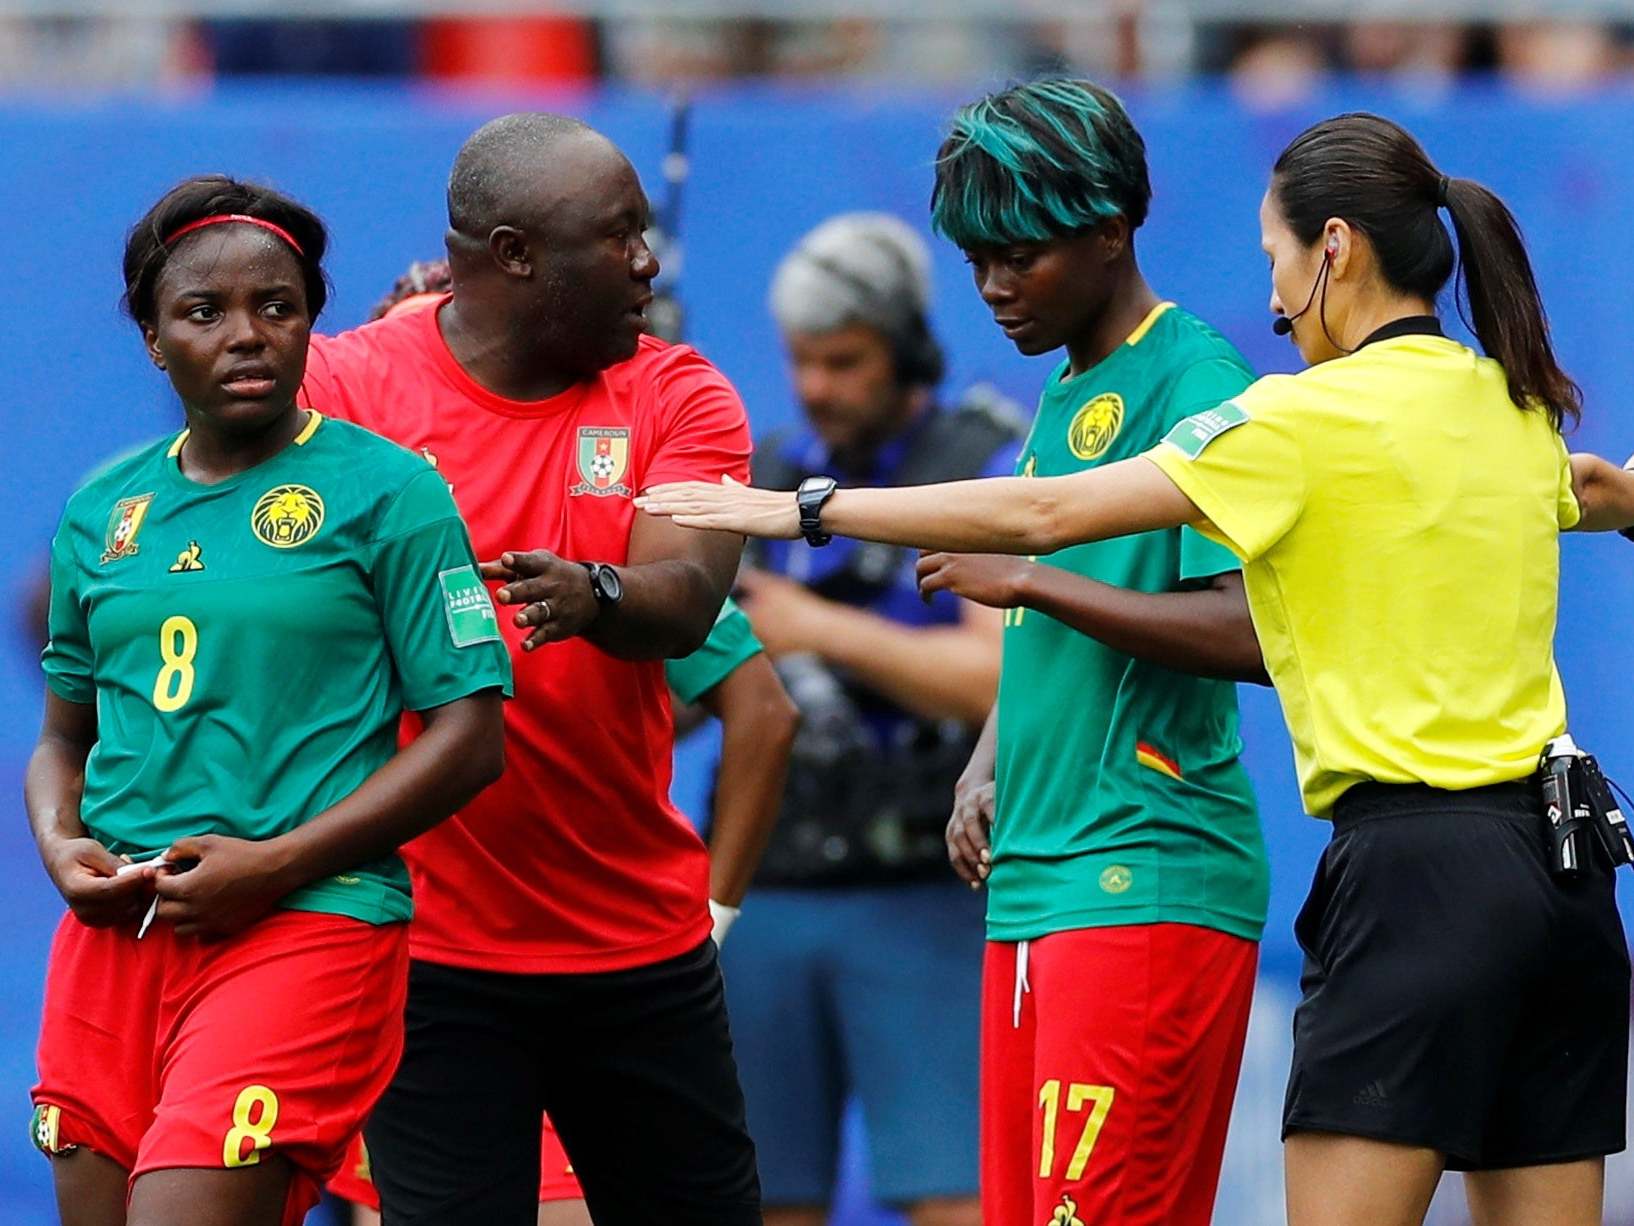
point(1371, 1095)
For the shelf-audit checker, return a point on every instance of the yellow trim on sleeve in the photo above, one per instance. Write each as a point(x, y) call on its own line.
point(1145, 325)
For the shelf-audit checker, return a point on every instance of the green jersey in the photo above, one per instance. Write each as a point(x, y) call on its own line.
point(1120, 796)
point(729, 644)
point(251, 645)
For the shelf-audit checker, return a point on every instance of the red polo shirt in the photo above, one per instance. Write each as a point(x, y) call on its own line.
point(575, 860)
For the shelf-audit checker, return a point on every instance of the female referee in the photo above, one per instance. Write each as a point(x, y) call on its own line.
point(1397, 507)
point(239, 616)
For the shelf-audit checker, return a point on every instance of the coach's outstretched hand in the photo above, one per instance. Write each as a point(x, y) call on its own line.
point(231, 883)
point(87, 876)
point(727, 507)
point(559, 601)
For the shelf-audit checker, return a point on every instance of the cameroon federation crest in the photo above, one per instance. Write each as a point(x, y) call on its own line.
point(604, 458)
point(287, 516)
point(124, 522)
point(1095, 426)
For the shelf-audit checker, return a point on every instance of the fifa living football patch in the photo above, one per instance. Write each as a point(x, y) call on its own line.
point(1189, 437)
point(471, 617)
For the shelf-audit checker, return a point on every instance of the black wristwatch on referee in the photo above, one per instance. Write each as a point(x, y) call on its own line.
point(811, 495)
point(605, 586)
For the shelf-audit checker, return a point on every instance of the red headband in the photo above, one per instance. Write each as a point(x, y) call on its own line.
point(220, 218)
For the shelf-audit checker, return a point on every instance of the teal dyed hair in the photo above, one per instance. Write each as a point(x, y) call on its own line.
point(1036, 162)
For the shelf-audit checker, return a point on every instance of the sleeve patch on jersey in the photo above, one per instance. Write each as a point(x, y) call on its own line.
point(1189, 437)
point(44, 1129)
point(471, 617)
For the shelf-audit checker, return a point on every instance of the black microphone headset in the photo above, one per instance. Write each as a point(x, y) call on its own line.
point(1282, 325)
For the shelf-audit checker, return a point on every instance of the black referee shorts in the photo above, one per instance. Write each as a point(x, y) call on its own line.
point(1456, 996)
point(634, 1067)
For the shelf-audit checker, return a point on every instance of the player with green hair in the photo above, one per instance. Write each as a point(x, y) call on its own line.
point(1040, 162)
point(1126, 874)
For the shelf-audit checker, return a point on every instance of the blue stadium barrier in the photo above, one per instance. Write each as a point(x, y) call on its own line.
point(768, 163)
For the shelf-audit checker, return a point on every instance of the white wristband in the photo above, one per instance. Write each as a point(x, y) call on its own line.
point(724, 917)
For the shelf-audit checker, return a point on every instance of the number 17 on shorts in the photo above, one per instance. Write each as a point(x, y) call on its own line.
point(1092, 1104)
point(1109, 1062)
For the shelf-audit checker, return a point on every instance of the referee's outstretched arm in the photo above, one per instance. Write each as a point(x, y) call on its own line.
point(1016, 515)
point(1604, 492)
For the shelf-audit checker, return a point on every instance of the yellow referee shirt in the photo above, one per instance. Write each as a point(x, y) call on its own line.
point(1399, 520)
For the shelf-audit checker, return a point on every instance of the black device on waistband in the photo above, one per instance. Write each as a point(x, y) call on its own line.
point(1581, 810)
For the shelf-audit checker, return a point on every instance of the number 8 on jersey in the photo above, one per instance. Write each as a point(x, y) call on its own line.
point(178, 644)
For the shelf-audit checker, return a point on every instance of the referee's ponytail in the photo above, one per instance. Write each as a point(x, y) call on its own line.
point(1373, 174)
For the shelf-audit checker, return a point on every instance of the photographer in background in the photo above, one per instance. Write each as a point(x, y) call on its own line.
point(857, 972)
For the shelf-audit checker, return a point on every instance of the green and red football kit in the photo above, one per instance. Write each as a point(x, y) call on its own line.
point(1129, 883)
point(251, 647)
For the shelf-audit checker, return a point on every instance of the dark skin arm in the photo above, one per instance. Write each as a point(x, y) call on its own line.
point(85, 872)
point(236, 881)
point(972, 821)
point(937, 672)
point(1605, 494)
point(675, 582)
point(1206, 632)
point(758, 724)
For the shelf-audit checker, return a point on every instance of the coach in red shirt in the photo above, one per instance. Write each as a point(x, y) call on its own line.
point(561, 946)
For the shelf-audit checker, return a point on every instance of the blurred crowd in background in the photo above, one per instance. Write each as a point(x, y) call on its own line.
point(1270, 62)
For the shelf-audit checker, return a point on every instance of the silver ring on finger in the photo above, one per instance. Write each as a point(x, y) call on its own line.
point(546, 605)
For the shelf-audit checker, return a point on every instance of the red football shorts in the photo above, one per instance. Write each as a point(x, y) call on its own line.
point(354, 1182)
point(173, 1052)
point(1109, 1062)
point(557, 1181)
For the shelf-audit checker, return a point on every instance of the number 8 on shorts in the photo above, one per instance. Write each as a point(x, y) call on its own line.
point(254, 1115)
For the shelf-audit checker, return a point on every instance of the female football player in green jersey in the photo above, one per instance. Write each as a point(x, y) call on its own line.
point(239, 616)
point(1128, 881)
point(1397, 506)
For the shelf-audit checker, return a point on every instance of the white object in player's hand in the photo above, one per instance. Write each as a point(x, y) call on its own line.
point(153, 907)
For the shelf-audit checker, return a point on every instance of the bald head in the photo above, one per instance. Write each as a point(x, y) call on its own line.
point(512, 169)
point(547, 248)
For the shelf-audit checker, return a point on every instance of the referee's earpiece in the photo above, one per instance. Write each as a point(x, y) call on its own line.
point(1283, 325)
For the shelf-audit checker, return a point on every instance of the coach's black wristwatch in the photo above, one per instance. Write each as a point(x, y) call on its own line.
point(605, 585)
point(810, 497)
